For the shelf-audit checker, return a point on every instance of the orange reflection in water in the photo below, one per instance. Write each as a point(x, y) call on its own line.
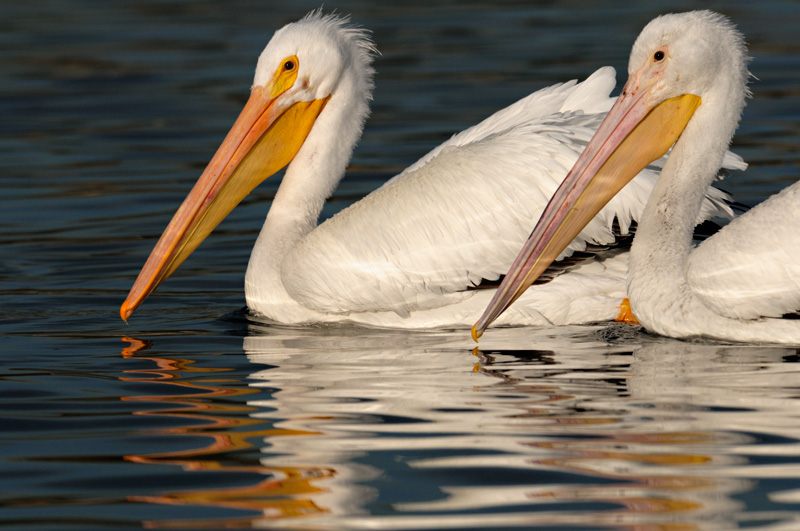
point(650, 485)
point(662, 480)
point(287, 491)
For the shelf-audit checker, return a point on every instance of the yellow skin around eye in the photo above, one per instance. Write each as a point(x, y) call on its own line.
point(284, 78)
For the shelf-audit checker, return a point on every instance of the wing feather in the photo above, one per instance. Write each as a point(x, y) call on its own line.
point(462, 212)
point(751, 267)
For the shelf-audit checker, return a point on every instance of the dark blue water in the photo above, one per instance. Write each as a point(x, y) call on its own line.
point(194, 417)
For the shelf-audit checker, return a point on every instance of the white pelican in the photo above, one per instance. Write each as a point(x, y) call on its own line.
point(410, 253)
point(687, 81)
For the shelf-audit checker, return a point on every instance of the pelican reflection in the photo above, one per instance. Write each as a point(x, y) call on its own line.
point(384, 429)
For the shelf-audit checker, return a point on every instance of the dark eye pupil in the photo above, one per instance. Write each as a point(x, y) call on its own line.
point(659, 56)
point(288, 65)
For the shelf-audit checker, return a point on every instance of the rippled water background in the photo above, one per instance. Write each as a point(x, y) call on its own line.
point(194, 416)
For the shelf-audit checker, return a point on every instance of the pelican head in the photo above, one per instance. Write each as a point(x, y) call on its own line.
point(308, 67)
point(686, 71)
point(697, 51)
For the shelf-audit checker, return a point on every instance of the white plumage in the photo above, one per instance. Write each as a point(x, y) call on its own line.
point(408, 254)
point(738, 284)
point(751, 269)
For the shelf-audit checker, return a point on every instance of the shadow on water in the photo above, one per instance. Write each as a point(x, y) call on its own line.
point(342, 428)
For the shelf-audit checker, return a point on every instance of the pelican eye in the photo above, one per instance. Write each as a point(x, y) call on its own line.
point(285, 75)
point(659, 56)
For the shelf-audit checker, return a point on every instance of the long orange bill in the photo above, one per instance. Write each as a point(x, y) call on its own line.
point(264, 138)
point(633, 134)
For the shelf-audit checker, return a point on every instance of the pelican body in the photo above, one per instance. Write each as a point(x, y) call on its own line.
point(412, 253)
point(687, 85)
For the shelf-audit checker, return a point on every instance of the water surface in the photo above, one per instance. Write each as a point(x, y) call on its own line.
point(195, 416)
